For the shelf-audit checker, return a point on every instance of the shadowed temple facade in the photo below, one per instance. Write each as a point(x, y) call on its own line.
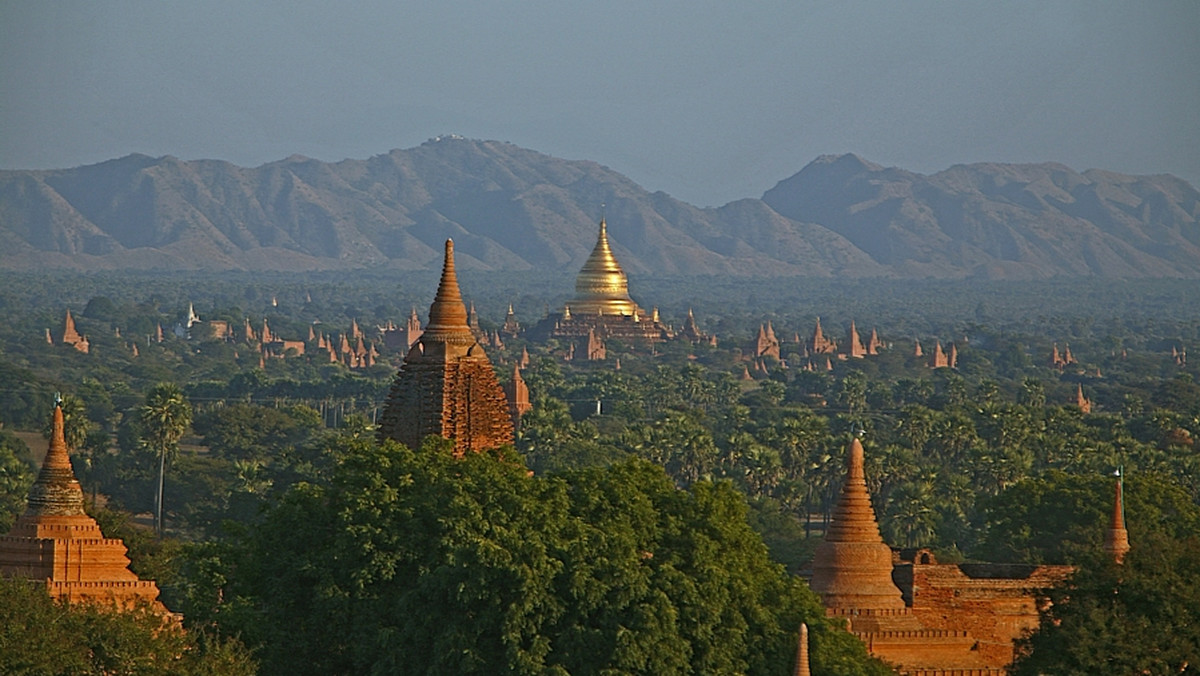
point(446, 385)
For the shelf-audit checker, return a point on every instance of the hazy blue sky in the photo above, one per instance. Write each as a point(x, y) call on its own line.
point(708, 101)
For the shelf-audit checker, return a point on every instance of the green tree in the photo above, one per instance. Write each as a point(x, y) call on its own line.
point(1059, 518)
point(471, 566)
point(39, 636)
point(16, 476)
point(165, 417)
point(1142, 617)
point(249, 432)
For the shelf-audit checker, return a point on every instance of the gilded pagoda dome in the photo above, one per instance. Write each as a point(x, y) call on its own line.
point(601, 287)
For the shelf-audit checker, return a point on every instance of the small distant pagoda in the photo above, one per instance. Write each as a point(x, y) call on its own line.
point(517, 393)
point(692, 333)
point(446, 385)
point(72, 337)
point(1116, 537)
point(56, 542)
point(602, 305)
point(819, 343)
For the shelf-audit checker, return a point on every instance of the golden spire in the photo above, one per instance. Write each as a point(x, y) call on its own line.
point(56, 492)
point(601, 287)
point(1116, 538)
point(853, 566)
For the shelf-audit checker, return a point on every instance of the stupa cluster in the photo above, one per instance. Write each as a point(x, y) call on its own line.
point(928, 619)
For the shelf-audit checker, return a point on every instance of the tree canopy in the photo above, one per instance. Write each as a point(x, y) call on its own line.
point(42, 637)
point(1142, 617)
point(435, 565)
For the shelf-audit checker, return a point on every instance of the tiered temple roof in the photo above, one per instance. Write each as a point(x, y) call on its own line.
point(765, 344)
point(854, 347)
point(818, 343)
point(55, 541)
point(517, 393)
point(70, 335)
point(446, 385)
point(690, 332)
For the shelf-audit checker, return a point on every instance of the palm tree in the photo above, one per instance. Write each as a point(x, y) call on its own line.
point(165, 417)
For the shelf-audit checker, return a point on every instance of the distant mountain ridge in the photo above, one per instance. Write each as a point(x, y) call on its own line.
point(510, 208)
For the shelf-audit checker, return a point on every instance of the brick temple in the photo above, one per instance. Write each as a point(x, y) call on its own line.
point(446, 386)
point(925, 618)
point(55, 541)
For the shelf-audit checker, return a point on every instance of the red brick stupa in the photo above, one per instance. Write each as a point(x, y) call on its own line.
point(853, 567)
point(446, 386)
point(57, 542)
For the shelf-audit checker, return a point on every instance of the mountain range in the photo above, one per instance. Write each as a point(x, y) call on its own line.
point(511, 208)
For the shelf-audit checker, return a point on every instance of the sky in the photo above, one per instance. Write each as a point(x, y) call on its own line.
point(707, 101)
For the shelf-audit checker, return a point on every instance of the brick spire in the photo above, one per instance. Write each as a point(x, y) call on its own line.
point(853, 566)
point(447, 315)
point(446, 386)
point(517, 393)
point(1116, 538)
point(802, 668)
point(56, 491)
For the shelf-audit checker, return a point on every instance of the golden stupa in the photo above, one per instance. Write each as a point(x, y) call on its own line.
point(602, 305)
point(602, 287)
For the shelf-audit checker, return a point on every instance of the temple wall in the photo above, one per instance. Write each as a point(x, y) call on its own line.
point(994, 603)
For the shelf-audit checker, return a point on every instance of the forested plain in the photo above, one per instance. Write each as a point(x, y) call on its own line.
point(672, 503)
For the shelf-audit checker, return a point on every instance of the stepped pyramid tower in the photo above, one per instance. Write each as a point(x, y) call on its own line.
point(446, 385)
point(1116, 538)
point(55, 541)
point(853, 566)
point(854, 347)
point(71, 336)
point(690, 331)
point(602, 303)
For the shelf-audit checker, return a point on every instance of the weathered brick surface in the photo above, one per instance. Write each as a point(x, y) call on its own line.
point(446, 385)
point(926, 618)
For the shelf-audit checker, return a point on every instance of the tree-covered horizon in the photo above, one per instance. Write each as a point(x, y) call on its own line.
point(991, 461)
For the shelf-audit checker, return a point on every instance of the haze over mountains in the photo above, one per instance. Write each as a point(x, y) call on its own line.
point(510, 208)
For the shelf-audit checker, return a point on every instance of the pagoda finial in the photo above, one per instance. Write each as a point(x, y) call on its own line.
point(56, 492)
point(447, 314)
point(1116, 538)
